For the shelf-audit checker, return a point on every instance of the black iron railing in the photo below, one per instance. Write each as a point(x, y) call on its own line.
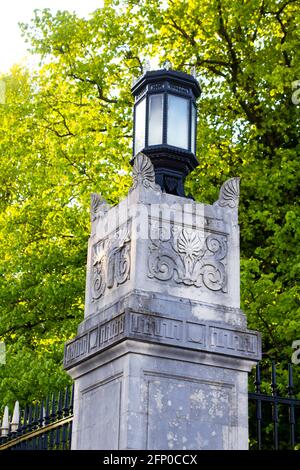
point(273, 422)
point(42, 426)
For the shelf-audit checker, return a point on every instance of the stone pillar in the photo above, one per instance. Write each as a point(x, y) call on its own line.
point(162, 357)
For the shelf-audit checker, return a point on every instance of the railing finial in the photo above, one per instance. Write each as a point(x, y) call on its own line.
point(5, 423)
point(16, 418)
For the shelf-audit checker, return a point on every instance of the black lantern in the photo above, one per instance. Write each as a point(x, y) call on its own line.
point(165, 125)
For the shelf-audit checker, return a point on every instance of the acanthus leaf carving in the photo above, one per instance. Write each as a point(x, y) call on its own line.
point(190, 259)
point(229, 193)
point(99, 206)
point(99, 263)
point(143, 173)
point(111, 263)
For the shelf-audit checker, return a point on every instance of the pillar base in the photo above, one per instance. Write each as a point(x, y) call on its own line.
point(150, 396)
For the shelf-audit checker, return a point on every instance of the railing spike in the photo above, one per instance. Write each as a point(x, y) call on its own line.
point(5, 423)
point(16, 418)
point(42, 422)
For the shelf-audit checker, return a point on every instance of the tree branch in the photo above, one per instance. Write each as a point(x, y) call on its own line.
point(98, 86)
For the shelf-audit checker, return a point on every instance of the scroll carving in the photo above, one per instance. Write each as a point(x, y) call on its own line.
point(189, 258)
point(111, 263)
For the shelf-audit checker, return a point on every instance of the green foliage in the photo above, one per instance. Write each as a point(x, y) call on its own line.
point(66, 130)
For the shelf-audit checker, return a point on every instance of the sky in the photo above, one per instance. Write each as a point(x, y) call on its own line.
point(12, 45)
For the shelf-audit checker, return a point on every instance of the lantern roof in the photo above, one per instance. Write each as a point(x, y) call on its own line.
point(180, 79)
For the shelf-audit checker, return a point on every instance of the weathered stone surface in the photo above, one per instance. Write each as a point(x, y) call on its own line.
point(162, 356)
point(218, 338)
point(163, 244)
point(150, 396)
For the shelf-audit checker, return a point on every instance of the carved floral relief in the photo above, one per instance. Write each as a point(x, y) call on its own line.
point(143, 173)
point(99, 206)
point(188, 257)
point(111, 263)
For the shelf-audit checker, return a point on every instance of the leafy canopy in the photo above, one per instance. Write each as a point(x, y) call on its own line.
point(66, 131)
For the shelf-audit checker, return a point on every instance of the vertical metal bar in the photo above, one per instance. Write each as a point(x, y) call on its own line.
point(274, 407)
point(64, 436)
point(66, 403)
point(47, 412)
point(190, 125)
point(165, 118)
point(41, 416)
point(30, 419)
point(146, 120)
point(70, 435)
point(60, 406)
point(292, 420)
point(45, 441)
point(40, 442)
point(257, 384)
point(53, 408)
point(19, 430)
point(35, 421)
point(51, 440)
point(57, 437)
point(23, 429)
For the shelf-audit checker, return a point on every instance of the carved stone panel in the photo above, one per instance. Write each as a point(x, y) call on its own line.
point(188, 257)
point(110, 262)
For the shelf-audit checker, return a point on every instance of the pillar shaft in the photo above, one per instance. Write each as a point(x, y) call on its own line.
point(161, 360)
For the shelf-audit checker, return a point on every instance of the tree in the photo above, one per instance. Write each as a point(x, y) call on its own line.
point(66, 132)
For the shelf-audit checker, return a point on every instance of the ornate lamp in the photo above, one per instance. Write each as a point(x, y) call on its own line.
point(165, 125)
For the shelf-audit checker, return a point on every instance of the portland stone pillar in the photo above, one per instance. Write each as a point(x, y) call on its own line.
point(162, 357)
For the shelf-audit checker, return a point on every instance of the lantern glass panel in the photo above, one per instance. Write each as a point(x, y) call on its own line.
point(139, 127)
point(178, 122)
point(155, 135)
point(193, 129)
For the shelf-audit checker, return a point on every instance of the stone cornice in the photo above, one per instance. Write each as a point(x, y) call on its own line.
point(211, 337)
